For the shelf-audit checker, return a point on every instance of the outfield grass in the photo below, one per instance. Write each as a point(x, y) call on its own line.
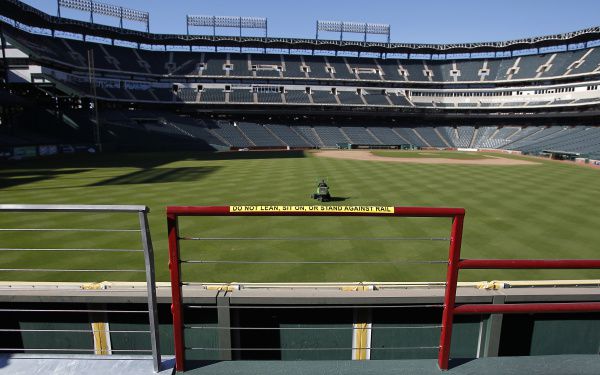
point(425, 154)
point(547, 210)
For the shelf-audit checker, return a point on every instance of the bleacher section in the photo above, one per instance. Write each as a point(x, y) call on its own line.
point(534, 136)
point(288, 135)
point(431, 137)
point(212, 96)
point(375, 97)
point(330, 135)
point(269, 97)
point(258, 135)
point(308, 133)
point(240, 96)
point(359, 135)
point(323, 97)
point(387, 136)
point(231, 134)
point(462, 136)
point(149, 128)
point(349, 97)
point(410, 136)
point(297, 96)
point(73, 53)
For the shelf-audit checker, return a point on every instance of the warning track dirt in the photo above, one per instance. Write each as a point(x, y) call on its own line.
point(366, 155)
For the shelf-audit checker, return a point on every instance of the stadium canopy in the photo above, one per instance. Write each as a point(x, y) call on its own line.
point(17, 11)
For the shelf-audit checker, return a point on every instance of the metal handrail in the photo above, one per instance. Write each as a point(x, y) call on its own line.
point(147, 249)
point(176, 262)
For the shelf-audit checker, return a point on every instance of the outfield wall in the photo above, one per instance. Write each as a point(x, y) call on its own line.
point(319, 320)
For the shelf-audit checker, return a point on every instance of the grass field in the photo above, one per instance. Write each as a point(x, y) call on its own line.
point(547, 210)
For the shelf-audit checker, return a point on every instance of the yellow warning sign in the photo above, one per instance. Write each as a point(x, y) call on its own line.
point(345, 209)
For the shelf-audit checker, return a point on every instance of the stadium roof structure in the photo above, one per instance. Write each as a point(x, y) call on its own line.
point(26, 14)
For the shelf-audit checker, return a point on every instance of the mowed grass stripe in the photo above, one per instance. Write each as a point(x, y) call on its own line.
point(547, 210)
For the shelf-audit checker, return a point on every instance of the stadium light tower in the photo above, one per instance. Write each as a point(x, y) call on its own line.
point(227, 22)
point(353, 27)
point(109, 10)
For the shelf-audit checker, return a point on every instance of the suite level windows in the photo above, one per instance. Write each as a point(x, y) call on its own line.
point(552, 91)
point(276, 68)
point(268, 89)
point(592, 87)
point(366, 71)
point(439, 94)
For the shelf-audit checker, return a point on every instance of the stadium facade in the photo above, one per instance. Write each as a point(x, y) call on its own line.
point(530, 95)
point(70, 86)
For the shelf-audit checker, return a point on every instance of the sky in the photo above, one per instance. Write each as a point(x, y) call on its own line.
point(416, 21)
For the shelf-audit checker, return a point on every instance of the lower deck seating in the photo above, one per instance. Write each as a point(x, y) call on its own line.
point(288, 136)
point(258, 135)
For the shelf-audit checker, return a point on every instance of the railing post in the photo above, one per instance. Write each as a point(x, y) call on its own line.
point(224, 323)
point(450, 294)
point(176, 297)
point(151, 285)
point(494, 328)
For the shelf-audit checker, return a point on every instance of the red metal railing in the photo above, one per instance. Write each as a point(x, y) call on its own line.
point(523, 308)
point(457, 215)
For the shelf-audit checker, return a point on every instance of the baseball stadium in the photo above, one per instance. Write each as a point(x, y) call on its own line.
point(225, 201)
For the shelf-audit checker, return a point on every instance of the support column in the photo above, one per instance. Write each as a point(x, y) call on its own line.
point(491, 345)
point(224, 324)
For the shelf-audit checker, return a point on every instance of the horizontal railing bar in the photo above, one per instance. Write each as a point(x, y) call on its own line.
point(305, 328)
point(309, 306)
point(528, 308)
point(317, 349)
point(315, 238)
point(71, 350)
point(312, 262)
point(77, 311)
point(73, 249)
point(529, 263)
point(324, 284)
point(398, 212)
point(65, 230)
point(71, 208)
point(61, 270)
point(68, 330)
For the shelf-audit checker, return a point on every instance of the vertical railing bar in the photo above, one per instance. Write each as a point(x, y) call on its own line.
point(176, 295)
point(151, 285)
point(450, 291)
